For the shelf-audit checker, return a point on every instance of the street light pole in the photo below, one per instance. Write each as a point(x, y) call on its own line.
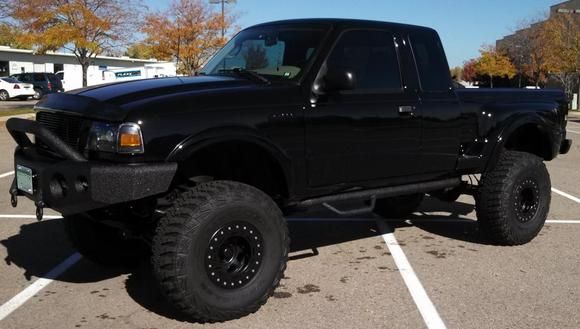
point(223, 4)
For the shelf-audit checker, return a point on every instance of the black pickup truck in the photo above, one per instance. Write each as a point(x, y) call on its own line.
point(288, 115)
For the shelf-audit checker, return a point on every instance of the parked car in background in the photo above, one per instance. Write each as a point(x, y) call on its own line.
point(60, 75)
point(12, 88)
point(44, 83)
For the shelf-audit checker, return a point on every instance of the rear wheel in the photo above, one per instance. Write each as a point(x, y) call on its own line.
point(513, 200)
point(103, 244)
point(220, 251)
point(399, 206)
point(4, 95)
point(37, 94)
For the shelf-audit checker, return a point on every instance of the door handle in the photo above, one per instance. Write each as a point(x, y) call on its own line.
point(407, 110)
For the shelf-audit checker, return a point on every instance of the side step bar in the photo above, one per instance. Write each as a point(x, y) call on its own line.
point(383, 192)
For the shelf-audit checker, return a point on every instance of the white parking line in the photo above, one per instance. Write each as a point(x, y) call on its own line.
point(418, 220)
point(566, 195)
point(422, 300)
point(29, 217)
point(563, 222)
point(10, 173)
point(18, 300)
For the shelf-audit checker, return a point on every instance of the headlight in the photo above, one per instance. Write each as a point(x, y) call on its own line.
point(110, 137)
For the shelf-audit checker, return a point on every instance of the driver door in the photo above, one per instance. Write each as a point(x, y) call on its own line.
point(372, 132)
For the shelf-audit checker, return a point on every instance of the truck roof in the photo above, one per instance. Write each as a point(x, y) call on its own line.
point(347, 22)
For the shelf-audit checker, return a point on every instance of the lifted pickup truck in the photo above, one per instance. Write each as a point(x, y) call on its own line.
point(288, 115)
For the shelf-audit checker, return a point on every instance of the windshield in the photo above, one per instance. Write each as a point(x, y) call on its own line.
point(274, 52)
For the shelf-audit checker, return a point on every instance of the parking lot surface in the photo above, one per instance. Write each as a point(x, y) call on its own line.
point(12, 105)
point(432, 269)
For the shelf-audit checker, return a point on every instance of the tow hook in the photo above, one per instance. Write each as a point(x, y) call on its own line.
point(39, 210)
point(13, 195)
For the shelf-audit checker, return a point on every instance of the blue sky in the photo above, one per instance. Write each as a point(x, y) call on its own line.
point(464, 25)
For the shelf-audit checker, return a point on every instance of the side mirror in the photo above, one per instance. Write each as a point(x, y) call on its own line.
point(339, 78)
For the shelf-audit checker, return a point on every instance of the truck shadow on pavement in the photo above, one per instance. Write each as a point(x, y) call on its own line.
point(40, 246)
point(448, 220)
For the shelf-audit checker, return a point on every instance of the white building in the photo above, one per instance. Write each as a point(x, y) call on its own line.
point(103, 69)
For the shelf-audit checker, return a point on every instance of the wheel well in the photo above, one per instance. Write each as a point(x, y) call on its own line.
point(529, 138)
point(239, 161)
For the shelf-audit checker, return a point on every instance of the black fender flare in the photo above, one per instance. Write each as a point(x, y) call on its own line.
point(498, 137)
point(197, 142)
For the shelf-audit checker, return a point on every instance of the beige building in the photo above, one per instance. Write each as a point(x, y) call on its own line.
point(567, 7)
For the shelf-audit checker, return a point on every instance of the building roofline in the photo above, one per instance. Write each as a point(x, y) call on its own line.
point(560, 3)
point(52, 53)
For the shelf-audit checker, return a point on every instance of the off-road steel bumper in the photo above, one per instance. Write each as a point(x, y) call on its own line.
point(67, 182)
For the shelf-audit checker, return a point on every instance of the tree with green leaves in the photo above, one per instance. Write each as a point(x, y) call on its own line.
point(140, 50)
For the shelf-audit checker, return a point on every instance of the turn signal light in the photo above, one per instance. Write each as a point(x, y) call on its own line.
point(129, 140)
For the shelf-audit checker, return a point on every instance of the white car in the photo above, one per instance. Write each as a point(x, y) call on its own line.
point(12, 88)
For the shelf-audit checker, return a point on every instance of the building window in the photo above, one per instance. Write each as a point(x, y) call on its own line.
point(58, 67)
point(4, 69)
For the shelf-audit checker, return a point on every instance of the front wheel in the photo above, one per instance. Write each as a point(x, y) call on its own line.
point(513, 200)
point(220, 251)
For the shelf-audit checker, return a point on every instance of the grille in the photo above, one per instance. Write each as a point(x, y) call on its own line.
point(66, 127)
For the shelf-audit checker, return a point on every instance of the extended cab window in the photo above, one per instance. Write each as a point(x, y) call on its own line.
point(371, 56)
point(431, 63)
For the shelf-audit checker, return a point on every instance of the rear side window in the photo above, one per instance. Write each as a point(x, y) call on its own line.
point(10, 80)
point(39, 77)
point(372, 57)
point(431, 62)
point(53, 78)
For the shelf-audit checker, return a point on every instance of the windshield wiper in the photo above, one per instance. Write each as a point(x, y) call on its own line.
point(250, 75)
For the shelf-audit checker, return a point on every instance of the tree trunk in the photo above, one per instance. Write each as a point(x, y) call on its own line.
point(85, 66)
point(491, 80)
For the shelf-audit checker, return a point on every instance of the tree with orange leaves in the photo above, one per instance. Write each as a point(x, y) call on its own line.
point(494, 64)
point(188, 32)
point(86, 28)
point(560, 37)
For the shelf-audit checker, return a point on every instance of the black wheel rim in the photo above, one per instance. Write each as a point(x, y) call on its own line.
point(234, 255)
point(527, 200)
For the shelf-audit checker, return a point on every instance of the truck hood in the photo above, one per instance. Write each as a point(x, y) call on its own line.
point(106, 102)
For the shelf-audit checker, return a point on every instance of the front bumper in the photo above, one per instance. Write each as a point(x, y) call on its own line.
point(71, 184)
